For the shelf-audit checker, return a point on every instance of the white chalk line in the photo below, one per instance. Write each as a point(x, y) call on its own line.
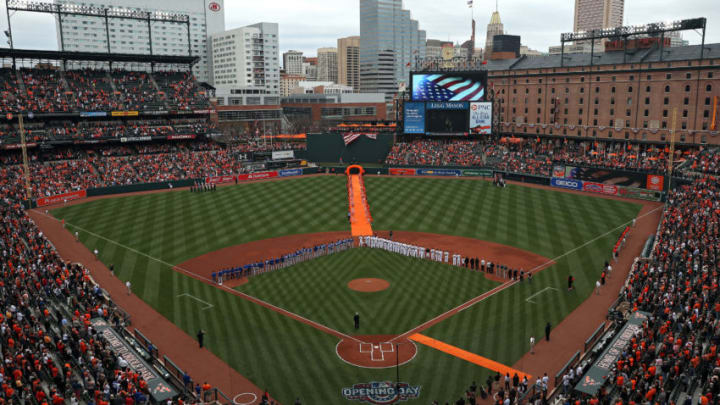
point(508, 284)
point(207, 304)
point(529, 299)
point(417, 329)
point(209, 281)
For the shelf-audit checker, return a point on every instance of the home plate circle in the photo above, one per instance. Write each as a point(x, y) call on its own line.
point(368, 284)
point(376, 351)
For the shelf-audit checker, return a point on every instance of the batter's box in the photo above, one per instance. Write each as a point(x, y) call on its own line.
point(366, 347)
point(387, 347)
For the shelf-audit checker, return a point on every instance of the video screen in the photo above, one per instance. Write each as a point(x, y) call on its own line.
point(447, 121)
point(450, 86)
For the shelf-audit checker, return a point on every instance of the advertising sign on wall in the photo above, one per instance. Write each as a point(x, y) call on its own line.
point(56, 199)
point(566, 183)
point(257, 176)
point(608, 189)
point(283, 154)
point(655, 182)
point(481, 118)
point(414, 118)
point(394, 171)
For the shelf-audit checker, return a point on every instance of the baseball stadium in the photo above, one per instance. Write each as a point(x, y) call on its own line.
point(161, 245)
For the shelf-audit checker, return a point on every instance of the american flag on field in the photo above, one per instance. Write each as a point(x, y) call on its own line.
point(442, 87)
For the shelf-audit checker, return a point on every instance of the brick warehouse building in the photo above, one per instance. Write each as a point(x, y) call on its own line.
point(611, 98)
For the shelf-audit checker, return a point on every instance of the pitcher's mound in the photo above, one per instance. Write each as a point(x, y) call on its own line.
point(368, 284)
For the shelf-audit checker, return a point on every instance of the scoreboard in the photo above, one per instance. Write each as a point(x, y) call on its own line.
point(448, 104)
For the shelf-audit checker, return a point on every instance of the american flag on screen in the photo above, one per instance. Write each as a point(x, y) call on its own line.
point(440, 87)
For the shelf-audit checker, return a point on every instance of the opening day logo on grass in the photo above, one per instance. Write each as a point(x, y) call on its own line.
point(381, 392)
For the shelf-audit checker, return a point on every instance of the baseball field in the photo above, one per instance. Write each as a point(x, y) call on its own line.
point(146, 238)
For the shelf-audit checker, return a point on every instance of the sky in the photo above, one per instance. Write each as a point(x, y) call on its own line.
point(306, 25)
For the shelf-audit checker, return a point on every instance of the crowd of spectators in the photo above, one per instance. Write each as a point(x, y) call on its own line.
point(49, 131)
point(534, 156)
point(67, 169)
point(674, 358)
point(51, 354)
point(51, 90)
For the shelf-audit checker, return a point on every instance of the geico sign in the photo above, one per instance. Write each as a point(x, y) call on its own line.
point(567, 183)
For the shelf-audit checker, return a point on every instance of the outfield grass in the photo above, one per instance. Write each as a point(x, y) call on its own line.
point(414, 283)
point(290, 358)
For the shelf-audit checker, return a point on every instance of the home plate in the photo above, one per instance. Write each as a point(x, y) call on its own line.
point(377, 347)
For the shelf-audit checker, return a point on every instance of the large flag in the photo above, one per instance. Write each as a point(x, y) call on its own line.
point(442, 87)
point(351, 137)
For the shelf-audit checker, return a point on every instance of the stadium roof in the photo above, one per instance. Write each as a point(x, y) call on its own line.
point(96, 56)
point(606, 58)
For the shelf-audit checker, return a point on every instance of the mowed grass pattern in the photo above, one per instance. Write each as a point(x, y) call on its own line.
point(388, 312)
point(577, 231)
point(292, 359)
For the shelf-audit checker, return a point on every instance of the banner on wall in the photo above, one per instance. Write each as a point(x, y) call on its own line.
point(395, 171)
point(481, 118)
point(283, 154)
point(61, 198)
point(477, 173)
point(414, 117)
point(438, 172)
point(607, 189)
point(290, 172)
point(257, 176)
point(566, 183)
point(219, 179)
point(655, 182)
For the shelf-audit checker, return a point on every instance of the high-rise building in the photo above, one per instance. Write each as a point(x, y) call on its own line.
point(348, 67)
point(598, 14)
point(310, 68)
point(387, 35)
point(292, 62)
point(327, 65)
point(87, 34)
point(494, 28)
point(247, 57)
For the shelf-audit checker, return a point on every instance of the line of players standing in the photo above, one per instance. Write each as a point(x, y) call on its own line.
point(200, 186)
point(492, 268)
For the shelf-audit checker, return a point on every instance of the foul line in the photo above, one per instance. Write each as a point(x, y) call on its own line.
point(509, 284)
point(247, 297)
point(468, 356)
point(207, 304)
point(529, 299)
point(334, 332)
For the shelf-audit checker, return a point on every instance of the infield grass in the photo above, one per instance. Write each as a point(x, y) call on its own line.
point(292, 359)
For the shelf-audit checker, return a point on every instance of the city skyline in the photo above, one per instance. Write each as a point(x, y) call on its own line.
point(307, 25)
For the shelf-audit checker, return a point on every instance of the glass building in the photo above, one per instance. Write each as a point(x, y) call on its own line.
point(390, 45)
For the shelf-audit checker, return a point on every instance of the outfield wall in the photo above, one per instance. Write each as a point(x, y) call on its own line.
point(332, 148)
point(558, 182)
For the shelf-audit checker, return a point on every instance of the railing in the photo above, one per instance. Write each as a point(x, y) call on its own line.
point(591, 340)
point(570, 363)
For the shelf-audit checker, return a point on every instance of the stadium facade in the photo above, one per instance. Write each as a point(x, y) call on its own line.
point(617, 95)
point(87, 34)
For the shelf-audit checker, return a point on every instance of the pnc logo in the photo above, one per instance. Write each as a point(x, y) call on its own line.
point(214, 6)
